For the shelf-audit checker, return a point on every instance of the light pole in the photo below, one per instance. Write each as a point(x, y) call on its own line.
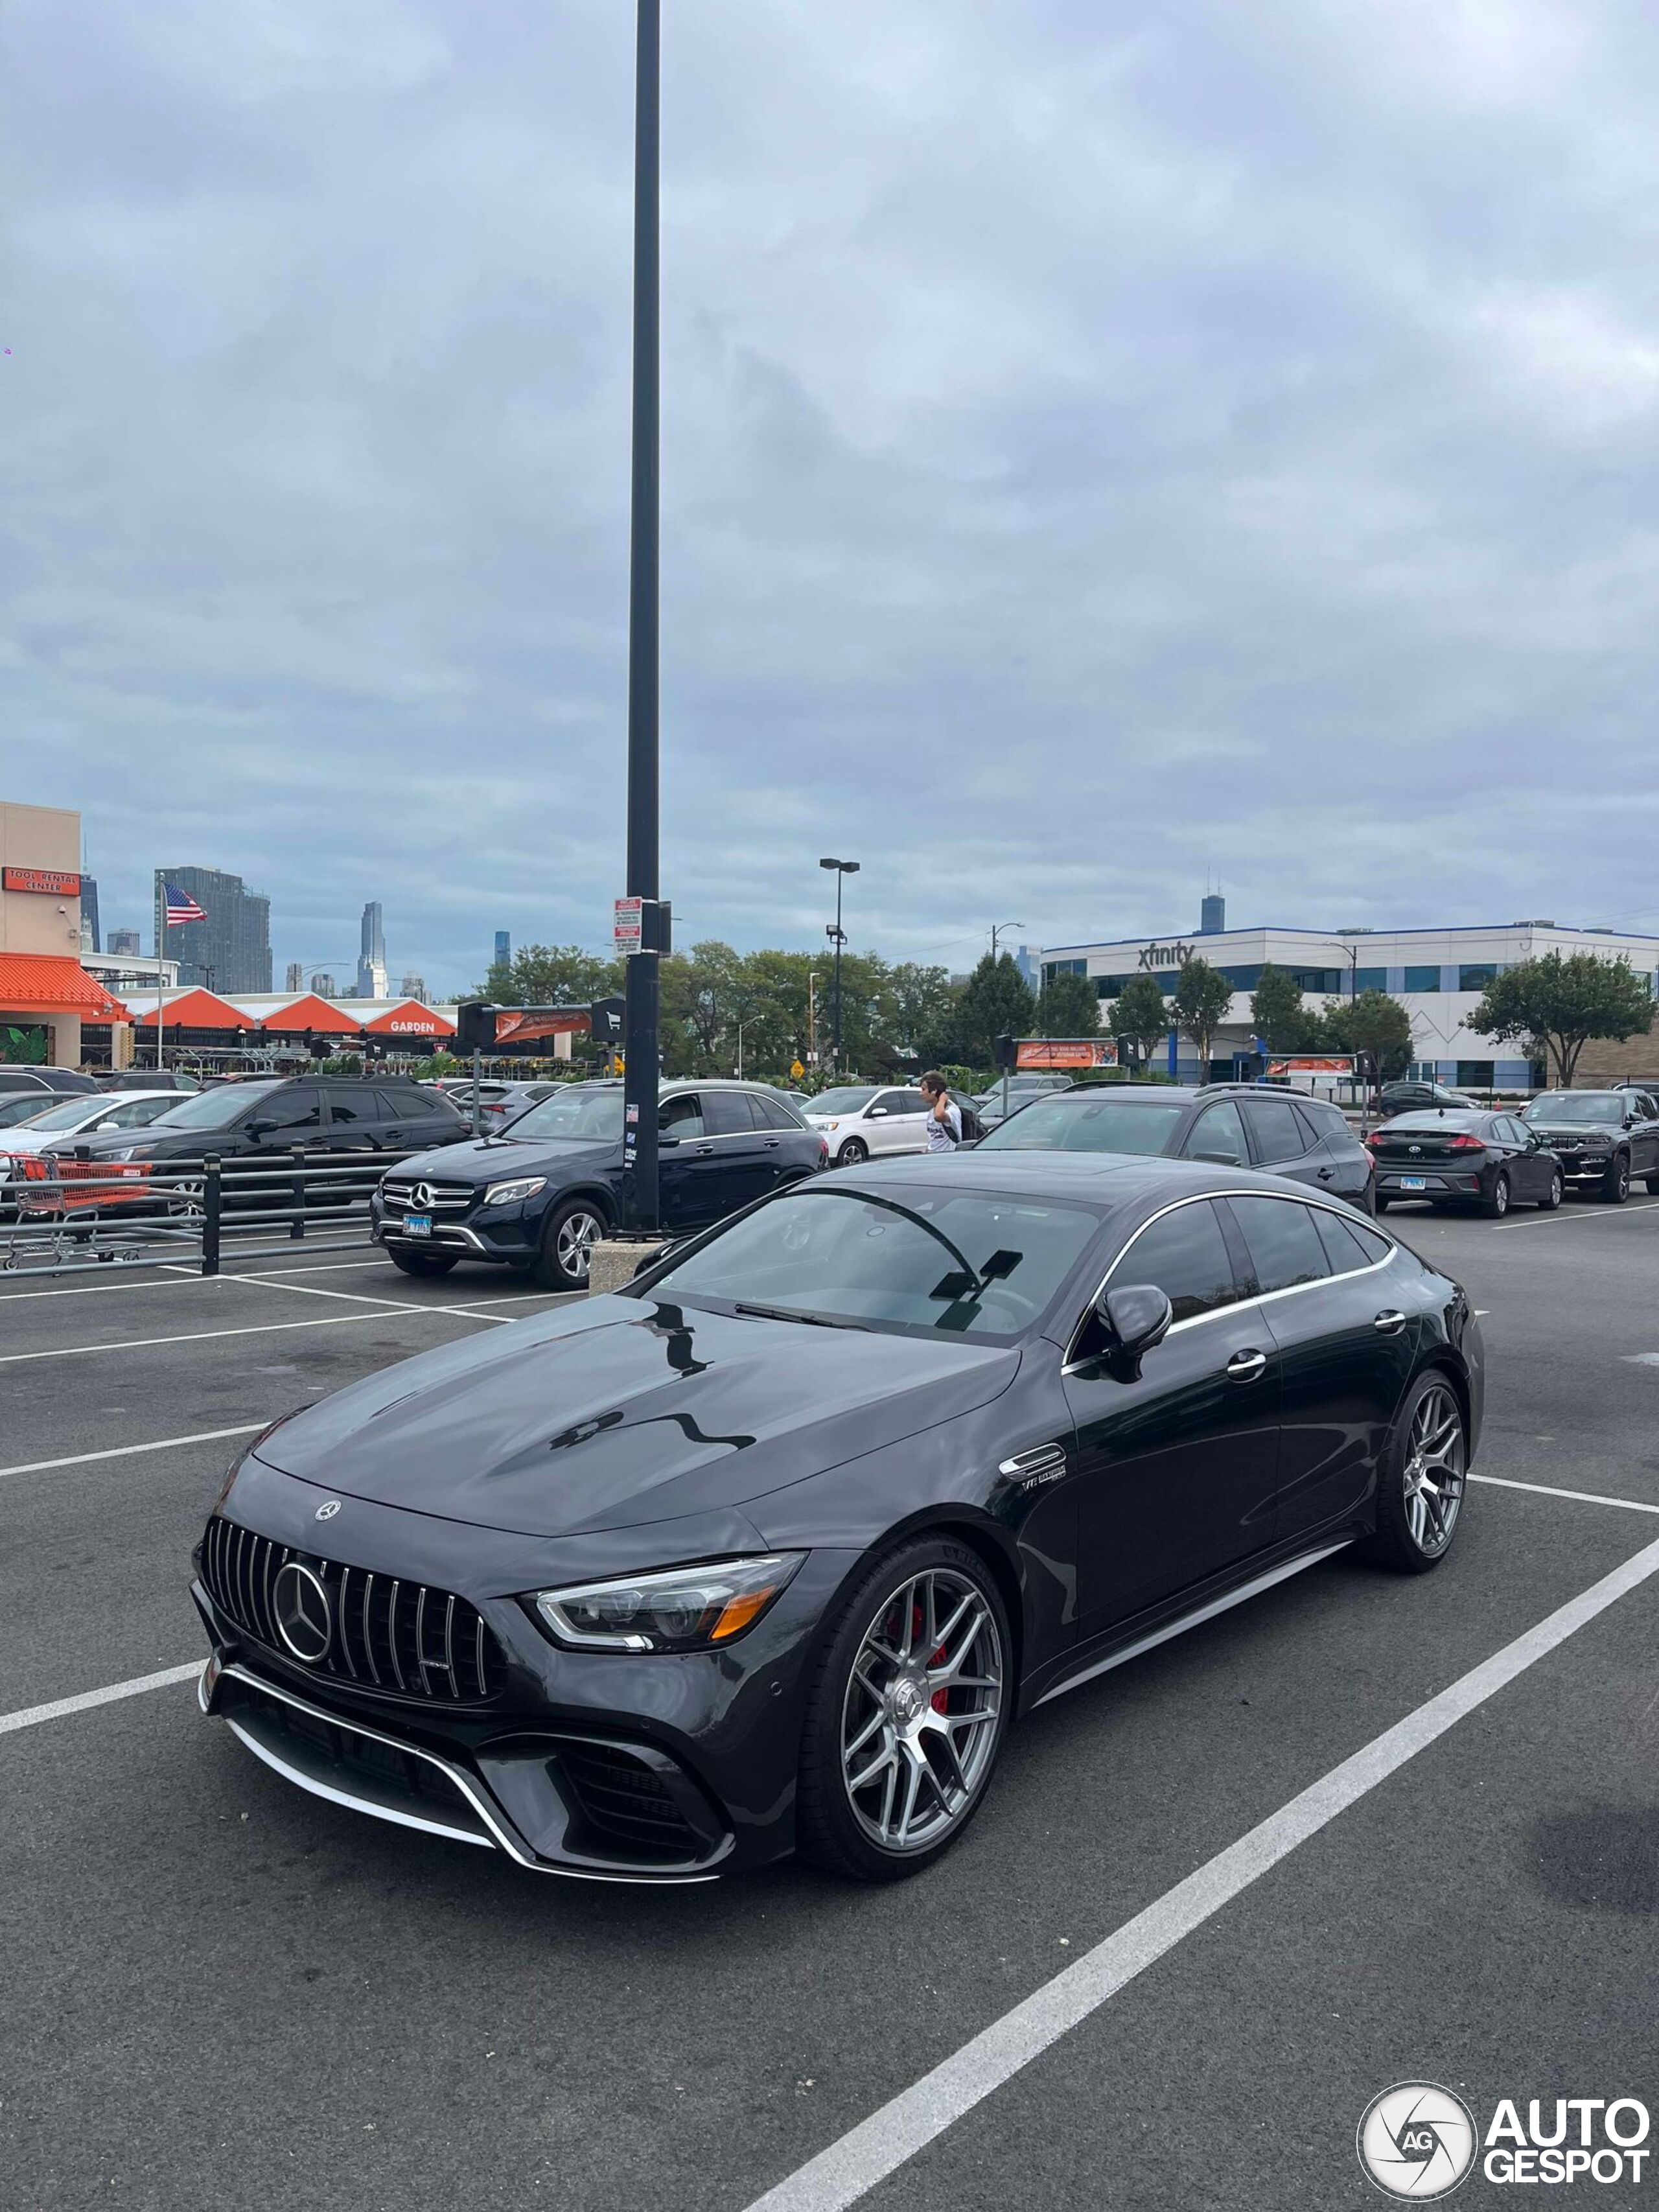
point(997, 928)
point(838, 936)
point(640, 1076)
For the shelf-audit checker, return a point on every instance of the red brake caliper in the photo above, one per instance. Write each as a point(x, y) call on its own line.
point(941, 1699)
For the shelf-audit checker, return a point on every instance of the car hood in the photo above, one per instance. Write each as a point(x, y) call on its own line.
point(487, 1159)
point(1606, 1130)
point(627, 1410)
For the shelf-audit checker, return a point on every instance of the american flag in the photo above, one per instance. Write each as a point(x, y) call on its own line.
point(180, 907)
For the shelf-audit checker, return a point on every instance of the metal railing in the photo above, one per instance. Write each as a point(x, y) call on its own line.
point(67, 1214)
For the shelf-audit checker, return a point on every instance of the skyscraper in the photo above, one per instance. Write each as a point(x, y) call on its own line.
point(371, 954)
point(295, 978)
point(230, 951)
point(503, 949)
point(413, 987)
point(323, 984)
point(125, 941)
point(89, 938)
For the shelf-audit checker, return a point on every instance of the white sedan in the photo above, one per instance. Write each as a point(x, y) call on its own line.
point(862, 1121)
point(79, 1116)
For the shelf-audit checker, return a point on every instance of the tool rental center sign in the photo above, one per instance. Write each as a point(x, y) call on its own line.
point(50, 883)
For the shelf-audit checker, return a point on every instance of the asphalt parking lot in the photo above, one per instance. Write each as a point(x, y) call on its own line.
point(220, 1992)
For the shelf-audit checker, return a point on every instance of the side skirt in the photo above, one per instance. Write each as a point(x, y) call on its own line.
point(1183, 1622)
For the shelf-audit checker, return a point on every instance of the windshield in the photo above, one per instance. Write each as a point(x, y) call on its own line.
point(1450, 1117)
point(1074, 1124)
point(592, 1117)
point(921, 1260)
point(69, 1114)
point(841, 1101)
point(212, 1110)
point(1601, 1106)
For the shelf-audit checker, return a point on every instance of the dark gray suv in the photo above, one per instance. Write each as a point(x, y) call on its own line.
point(1230, 1125)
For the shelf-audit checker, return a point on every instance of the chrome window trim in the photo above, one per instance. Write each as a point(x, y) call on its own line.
point(1070, 1364)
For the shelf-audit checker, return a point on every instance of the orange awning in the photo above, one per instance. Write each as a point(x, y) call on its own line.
point(52, 983)
point(309, 1012)
point(197, 1009)
point(410, 1018)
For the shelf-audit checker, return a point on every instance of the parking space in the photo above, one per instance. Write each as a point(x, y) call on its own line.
point(223, 1992)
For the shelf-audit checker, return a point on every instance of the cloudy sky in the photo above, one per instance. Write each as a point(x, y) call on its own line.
point(1104, 441)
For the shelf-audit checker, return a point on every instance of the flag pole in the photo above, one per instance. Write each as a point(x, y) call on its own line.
point(161, 971)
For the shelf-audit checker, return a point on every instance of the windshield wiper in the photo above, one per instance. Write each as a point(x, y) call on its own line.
point(783, 1312)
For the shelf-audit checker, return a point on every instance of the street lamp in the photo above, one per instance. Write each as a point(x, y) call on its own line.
point(997, 928)
point(837, 936)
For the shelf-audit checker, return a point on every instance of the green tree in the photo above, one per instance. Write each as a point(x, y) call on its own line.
point(1277, 1015)
point(1372, 1023)
point(1202, 996)
point(1560, 1004)
point(1068, 1006)
point(552, 975)
point(1140, 1019)
point(919, 1010)
point(996, 1001)
point(699, 991)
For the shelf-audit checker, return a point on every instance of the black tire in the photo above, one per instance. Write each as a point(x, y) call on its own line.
point(1652, 1186)
point(1555, 1191)
point(1399, 1541)
point(1615, 1183)
point(829, 1832)
point(570, 1233)
point(420, 1263)
point(1497, 1205)
point(852, 1152)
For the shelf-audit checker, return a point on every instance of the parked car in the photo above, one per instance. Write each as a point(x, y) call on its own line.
point(1240, 1125)
point(858, 1120)
point(250, 1125)
point(1603, 1139)
point(662, 1585)
point(1021, 1089)
point(498, 1102)
point(1411, 1097)
point(44, 1083)
point(1464, 1156)
point(538, 1194)
point(74, 1117)
point(150, 1078)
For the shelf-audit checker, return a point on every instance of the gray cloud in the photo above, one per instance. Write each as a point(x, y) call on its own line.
point(1100, 444)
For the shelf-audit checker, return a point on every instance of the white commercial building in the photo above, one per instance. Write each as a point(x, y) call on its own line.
point(1437, 975)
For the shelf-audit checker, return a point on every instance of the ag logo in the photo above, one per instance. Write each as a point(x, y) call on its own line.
point(1417, 2142)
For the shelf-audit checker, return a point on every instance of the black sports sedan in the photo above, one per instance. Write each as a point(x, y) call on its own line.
point(1231, 1125)
point(1604, 1139)
point(1464, 1157)
point(538, 1194)
point(769, 1551)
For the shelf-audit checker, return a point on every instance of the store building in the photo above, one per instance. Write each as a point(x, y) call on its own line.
point(46, 993)
point(1438, 976)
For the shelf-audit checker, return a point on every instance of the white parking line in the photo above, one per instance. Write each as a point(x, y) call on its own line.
point(877, 2147)
point(32, 1715)
point(354, 1297)
point(1579, 1497)
point(165, 1279)
point(1561, 1220)
point(207, 1335)
point(126, 1451)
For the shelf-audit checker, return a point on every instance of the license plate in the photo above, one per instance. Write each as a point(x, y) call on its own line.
point(417, 1224)
point(1414, 1182)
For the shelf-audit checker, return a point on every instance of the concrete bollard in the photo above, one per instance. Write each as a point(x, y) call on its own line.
point(615, 1260)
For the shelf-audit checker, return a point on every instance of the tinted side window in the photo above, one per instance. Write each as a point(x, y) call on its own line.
point(775, 1114)
point(353, 1106)
point(681, 1116)
point(1343, 1249)
point(298, 1109)
point(1185, 1255)
point(1279, 1134)
point(729, 1114)
point(1284, 1242)
point(1328, 1121)
point(1218, 1130)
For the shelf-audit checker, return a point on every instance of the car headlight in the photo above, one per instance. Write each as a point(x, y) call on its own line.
point(122, 1152)
point(829, 1125)
point(679, 1609)
point(510, 1194)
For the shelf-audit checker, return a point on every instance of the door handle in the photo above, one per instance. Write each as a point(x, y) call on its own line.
point(1246, 1366)
point(1325, 1174)
point(771, 1143)
point(1389, 1322)
point(704, 1153)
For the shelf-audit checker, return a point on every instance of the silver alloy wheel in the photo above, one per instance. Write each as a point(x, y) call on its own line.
point(1500, 1196)
point(919, 1719)
point(852, 1152)
point(1434, 1471)
point(573, 1246)
point(1556, 1189)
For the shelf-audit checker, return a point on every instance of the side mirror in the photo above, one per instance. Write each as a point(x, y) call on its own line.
point(260, 1128)
point(1220, 1159)
point(877, 1113)
point(1136, 1319)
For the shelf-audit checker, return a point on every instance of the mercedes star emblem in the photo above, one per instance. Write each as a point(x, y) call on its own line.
point(305, 1617)
point(421, 1197)
point(327, 1512)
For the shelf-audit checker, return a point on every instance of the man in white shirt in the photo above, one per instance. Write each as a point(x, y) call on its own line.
point(943, 1121)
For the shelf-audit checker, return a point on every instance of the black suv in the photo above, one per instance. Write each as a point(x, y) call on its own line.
point(256, 1124)
point(540, 1193)
point(50, 1083)
point(1231, 1125)
point(1603, 1139)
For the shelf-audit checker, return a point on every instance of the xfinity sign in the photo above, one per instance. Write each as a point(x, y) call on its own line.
point(1165, 956)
